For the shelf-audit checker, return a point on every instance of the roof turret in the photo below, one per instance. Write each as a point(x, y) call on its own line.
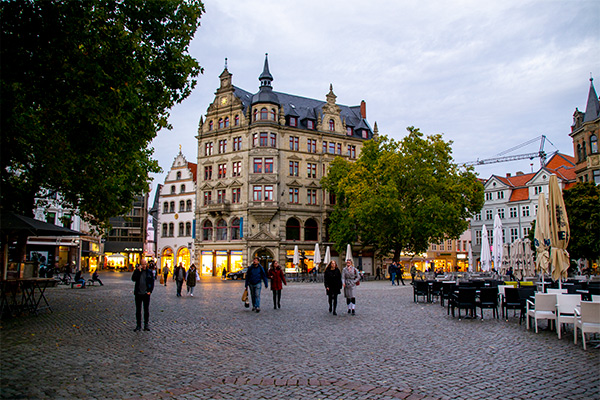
point(265, 94)
point(592, 110)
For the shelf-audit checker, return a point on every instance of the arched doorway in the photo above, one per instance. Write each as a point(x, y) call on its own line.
point(265, 257)
point(166, 259)
point(183, 257)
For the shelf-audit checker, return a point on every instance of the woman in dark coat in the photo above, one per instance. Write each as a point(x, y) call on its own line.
point(332, 278)
point(277, 278)
point(190, 280)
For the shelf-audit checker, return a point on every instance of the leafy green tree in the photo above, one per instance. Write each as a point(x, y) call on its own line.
point(582, 202)
point(402, 196)
point(86, 86)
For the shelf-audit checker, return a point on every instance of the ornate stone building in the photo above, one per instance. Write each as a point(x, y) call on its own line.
point(260, 160)
point(584, 132)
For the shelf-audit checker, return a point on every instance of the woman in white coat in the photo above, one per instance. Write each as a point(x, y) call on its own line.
point(350, 279)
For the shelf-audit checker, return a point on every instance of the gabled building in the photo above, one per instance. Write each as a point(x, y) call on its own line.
point(584, 131)
point(260, 160)
point(515, 199)
point(176, 204)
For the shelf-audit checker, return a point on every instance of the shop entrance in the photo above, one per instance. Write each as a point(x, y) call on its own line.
point(265, 258)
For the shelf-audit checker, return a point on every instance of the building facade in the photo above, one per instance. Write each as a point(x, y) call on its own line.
point(515, 200)
point(176, 205)
point(260, 160)
point(584, 132)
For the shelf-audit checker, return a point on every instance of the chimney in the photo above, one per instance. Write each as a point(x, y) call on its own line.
point(363, 109)
point(519, 173)
point(508, 174)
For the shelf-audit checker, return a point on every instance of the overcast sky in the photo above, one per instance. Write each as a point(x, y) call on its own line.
point(488, 75)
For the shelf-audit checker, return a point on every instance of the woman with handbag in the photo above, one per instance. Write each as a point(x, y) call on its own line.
point(332, 278)
point(350, 279)
point(277, 278)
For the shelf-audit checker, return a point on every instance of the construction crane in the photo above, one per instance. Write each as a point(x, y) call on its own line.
point(541, 154)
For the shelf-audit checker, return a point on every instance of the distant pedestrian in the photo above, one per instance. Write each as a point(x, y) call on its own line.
point(144, 284)
point(413, 273)
point(165, 272)
point(400, 274)
point(190, 281)
point(393, 271)
point(350, 279)
point(179, 277)
point(254, 275)
point(332, 278)
point(224, 274)
point(378, 273)
point(314, 272)
point(277, 279)
point(511, 274)
point(96, 278)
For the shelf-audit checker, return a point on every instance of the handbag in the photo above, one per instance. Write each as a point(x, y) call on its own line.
point(162, 280)
point(245, 298)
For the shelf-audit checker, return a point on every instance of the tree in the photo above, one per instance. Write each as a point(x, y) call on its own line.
point(582, 202)
point(86, 86)
point(402, 196)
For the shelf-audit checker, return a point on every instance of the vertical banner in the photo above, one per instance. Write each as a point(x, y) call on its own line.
point(241, 227)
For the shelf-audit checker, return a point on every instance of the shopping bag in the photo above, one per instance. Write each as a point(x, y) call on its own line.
point(245, 298)
point(162, 280)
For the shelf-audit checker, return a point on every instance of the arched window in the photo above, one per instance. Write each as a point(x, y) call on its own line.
point(182, 189)
point(171, 229)
point(188, 229)
point(165, 207)
point(178, 175)
point(181, 206)
point(255, 113)
point(172, 207)
point(236, 120)
point(165, 231)
point(210, 125)
point(220, 123)
point(207, 230)
point(172, 189)
point(331, 125)
point(221, 230)
point(311, 230)
point(188, 205)
point(181, 229)
point(273, 114)
point(226, 122)
point(235, 229)
point(593, 144)
point(264, 114)
point(292, 229)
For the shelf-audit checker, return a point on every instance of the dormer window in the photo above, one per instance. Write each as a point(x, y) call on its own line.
point(293, 121)
point(310, 124)
point(365, 134)
point(349, 131)
point(331, 125)
point(264, 114)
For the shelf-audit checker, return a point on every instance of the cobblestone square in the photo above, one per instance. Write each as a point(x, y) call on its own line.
point(210, 347)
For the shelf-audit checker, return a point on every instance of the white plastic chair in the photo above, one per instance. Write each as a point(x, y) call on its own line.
point(565, 310)
point(596, 298)
point(544, 307)
point(556, 291)
point(587, 320)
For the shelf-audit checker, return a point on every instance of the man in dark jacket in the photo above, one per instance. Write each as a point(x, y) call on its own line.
point(144, 284)
point(179, 276)
point(254, 275)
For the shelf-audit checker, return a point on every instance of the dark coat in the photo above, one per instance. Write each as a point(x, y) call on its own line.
point(191, 277)
point(277, 278)
point(332, 278)
point(255, 274)
point(149, 280)
point(176, 273)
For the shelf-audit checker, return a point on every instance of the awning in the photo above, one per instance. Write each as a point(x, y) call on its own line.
point(14, 224)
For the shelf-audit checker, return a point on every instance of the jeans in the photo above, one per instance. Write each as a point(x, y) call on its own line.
point(393, 278)
point(255, 295)
point(190, 290)
point(179, 286)
point(139, 300)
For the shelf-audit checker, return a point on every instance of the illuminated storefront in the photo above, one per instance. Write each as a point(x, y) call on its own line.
point(206, 259)
point(166, 259)
point(183, 257)
point(236, 261)
point(221, 261)
point(308, 261)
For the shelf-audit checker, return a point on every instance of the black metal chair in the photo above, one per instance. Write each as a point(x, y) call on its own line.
point(435, 290)
point(488, 298)
point(464, 299)
point(420, 288)
point(447, 290)
point(511, 301)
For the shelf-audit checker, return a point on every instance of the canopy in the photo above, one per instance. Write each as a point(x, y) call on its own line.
point(497, 244)
point(542, 236)
point(559, 231)
point(486, 257)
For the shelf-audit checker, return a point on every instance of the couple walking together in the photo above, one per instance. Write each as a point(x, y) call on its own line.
point(335, 280)
point(256, 275)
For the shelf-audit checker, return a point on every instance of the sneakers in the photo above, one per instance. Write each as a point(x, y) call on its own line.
point(192, 294)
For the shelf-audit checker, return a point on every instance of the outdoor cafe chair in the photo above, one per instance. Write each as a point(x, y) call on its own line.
point(464, 299)
point(420, 288)
point(556, 291)
point(488, 298)
point(543, 307)
point(511, 301)
point(587, 320)
point(565, 310)
point(447, 290)
point(435, 290)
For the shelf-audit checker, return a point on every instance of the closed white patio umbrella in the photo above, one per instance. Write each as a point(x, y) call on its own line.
point(296, 259)
point(498, 247)
point(559, 231)
point(349, 253)
point(486, 256)
point(471, 258)
point(542, 237)
point(317, 257)
point(327, 258)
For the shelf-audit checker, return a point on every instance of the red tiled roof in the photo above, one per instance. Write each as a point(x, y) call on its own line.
point(517, 180)
point(560, 160)
point(194, 168)
point(519, 194)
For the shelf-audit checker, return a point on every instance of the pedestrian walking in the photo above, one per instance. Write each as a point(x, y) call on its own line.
point(144, 284)
point(400, 274)
point(224, 274)
point(179, 277)
point(413, 273)
point(192, 278)
point(393, 271)
point(254, 275)
point(277, 279)
point(350, 279)
point(378, 273)
point(332, 278)
point(165, 272)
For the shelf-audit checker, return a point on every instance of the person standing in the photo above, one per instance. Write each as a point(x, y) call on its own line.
point(332, 278)
point(378, 273)
point(277, 279)
point(393, 271)
point(179, 277)
point(165, 272)
point(350, 279)
point(413, 273)
point(144, 284)
point(190, 281)
point(400, 274)
point(254, 275)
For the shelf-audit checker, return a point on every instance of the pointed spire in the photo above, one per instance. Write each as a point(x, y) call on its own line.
point(225, 62)
point(331, 97)
point(266, 78)
point(592, 110)
point(375, 131)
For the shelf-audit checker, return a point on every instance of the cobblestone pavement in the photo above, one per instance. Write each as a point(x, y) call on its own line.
point(210, 347)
